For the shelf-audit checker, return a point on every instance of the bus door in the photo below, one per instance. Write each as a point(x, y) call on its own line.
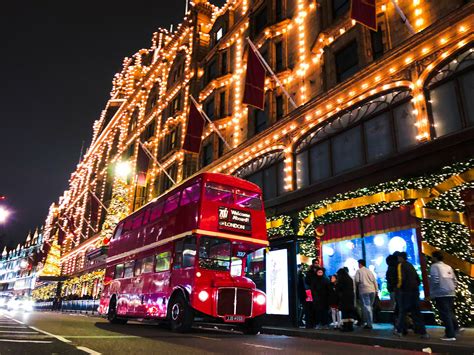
point(184, 261)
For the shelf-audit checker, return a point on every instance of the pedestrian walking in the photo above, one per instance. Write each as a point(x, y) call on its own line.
point(367, 288)
point(304, 308)
point(333, 301)
point(346, 299)
point(391, 278)
point(442, 291)
point(319, 291)
point(408, 283)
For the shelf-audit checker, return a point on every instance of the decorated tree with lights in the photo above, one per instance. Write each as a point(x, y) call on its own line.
point(117, 210)
point(52, 266)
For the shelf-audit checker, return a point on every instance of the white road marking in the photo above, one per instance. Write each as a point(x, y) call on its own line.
point(263, 346)
point(13, 326)
point(207, 338)
point(87, 350)
point(99, 336)
point(17, 332)
point(26, 341)
point(60, 338)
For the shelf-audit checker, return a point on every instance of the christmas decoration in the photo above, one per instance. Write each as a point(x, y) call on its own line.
point(454, 238)
point(87, 285)
point(52, 266)
point(279, 226)
point(45, 293)
point(117, 210)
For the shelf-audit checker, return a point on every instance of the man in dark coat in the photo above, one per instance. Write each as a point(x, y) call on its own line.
point(319, 291)
point(346, 297)
point(408, 283)
point(391, 277)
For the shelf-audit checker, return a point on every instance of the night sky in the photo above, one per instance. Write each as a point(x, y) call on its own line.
point(57, 62)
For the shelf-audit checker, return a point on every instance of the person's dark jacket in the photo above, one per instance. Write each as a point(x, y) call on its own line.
point(345, 290)
point(408, 280)
point(319, 291)
point(310, 276)
point(333, 298)
point(391, 274)
point(301, 287)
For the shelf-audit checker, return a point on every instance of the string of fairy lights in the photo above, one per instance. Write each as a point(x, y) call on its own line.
point(131, 89)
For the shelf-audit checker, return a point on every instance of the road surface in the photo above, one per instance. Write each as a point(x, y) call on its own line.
point(40, 333)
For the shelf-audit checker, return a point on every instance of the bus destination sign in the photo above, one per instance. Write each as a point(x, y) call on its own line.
point(235, 220)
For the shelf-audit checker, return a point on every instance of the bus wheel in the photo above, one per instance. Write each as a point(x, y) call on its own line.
point(181, 315)
point(252, 326)
point(112, 314)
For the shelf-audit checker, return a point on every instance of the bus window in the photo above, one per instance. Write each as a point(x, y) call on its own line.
point(185, 253)
point(162, 262)
point(190, 194)
point(118, 231)
point(236, 266)
point(220, 193)
point(127, 226)
point(156, 211)
point(128, 272)
point(138, 268)
point(118, 274)
point(146, 216)
point(147, 265)
point(137, 221)
point(214, 253)
point(247, 199)
point(172, 202)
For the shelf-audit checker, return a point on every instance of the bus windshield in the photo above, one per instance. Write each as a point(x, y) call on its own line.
point(229, 195)
point(214, 253)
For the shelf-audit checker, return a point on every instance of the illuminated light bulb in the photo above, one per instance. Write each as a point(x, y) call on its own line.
point(383, 8)
point(443, 40)
point(462, 29)
point(408, 60)
point(419, 22)
point(392, 70)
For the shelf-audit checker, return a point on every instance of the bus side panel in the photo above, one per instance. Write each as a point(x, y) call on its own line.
point(156, 293)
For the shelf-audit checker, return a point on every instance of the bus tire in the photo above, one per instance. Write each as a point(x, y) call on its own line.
point(252, 326)
point(181, 314)
point(112, 313)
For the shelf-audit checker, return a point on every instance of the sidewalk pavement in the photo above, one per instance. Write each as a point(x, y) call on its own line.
point(382, 335)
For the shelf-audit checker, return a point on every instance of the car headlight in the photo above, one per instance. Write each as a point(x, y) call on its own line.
point(260, 299)
point(203, 296)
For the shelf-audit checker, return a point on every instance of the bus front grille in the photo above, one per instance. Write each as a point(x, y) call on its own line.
point(234, 300)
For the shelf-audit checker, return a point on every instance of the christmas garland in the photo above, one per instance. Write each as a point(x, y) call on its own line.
point(74, 286)
point(45, 293)
point(279, 226)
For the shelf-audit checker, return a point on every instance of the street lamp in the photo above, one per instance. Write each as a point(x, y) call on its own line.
point(123, 170)
point(4, 213)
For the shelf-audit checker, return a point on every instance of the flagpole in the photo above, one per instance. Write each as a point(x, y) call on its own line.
point(88, 224)
point(404, 18)
point(267, 67)
point(213, 126)
point(97, 199)
point(145, 149)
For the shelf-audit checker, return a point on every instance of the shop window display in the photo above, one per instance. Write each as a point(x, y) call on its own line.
point(379, 246)
point(343, 253)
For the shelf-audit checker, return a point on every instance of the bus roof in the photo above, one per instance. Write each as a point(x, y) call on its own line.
point(206, 177)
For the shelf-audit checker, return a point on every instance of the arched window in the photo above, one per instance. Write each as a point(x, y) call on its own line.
point(371, 131)
point(133, 121)
point(177, 69)
point(267, 172)
point(449, 94)
point(153, 98)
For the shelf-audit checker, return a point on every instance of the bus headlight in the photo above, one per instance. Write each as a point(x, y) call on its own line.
point(260, 299)
point(203, 296)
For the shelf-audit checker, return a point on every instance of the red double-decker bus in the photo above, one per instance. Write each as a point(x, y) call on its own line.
point(183, 256)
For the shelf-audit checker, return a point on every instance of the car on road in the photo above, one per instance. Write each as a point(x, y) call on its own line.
point(21, 304)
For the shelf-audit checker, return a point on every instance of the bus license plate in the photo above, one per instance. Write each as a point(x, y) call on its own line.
point(234, 318)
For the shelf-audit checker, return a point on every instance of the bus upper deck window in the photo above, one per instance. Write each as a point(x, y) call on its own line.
point(127, 226)
point(137, 221)
point(190, 194)
point(172, 202)
point(220, 193)
point(128, 272)
point(118, 274)
point(118, 231)
point(156, 211)
point(247, 199)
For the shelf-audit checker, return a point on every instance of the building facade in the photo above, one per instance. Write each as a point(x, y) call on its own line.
point(378, 145)
point(19, 267)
